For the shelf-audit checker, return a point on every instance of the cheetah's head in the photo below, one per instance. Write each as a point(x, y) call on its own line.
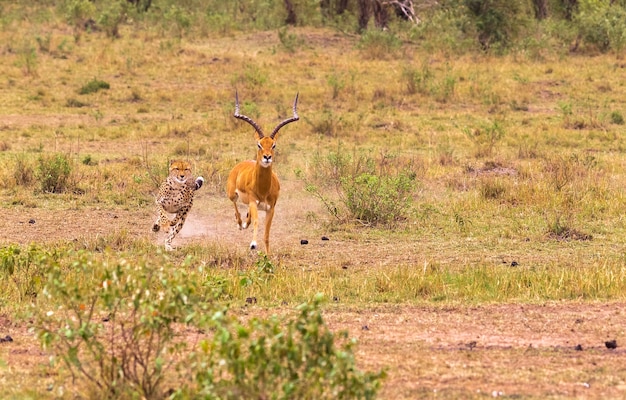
point(180, 171)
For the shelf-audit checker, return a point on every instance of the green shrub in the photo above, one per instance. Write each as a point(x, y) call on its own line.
point(497, 22)
point(93, 86)
point(373, 192)
point(178, 18)
point(602, 25)
point(113, 15)
point(378, 199)
point(116, 331)
point(53, 172)
point(276, 359)
point(379, 45)
point(116, 326)
point(79, 15)
point(290, 41)
point(486, 137)
point(23, 270)
point(617, 118)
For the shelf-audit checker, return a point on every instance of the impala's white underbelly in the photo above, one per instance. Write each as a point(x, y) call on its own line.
point(245, 199)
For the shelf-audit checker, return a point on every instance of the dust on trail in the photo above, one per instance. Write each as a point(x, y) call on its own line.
point(212, 219)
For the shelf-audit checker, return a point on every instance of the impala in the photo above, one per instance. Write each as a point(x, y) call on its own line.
point(253, 182)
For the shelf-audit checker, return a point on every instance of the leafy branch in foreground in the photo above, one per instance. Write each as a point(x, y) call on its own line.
point(118, 331)
point(135, 330)
point(297, 358)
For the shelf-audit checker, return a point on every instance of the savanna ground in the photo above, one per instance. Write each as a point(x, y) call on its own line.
point(505, 274)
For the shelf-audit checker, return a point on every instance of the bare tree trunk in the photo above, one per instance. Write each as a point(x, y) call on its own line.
point(325, 9)
point(291, 13)
point(342, 6)
point(570, 7)
point(541, 9)
point(381, 14)
point(364, 14)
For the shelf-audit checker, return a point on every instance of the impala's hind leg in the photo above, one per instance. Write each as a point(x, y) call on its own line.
point(234, 196)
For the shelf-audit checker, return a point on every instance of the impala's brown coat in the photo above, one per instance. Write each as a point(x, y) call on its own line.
point(254, 183)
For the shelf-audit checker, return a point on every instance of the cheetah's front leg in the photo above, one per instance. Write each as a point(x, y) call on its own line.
point(162, 219)
point(175, 227)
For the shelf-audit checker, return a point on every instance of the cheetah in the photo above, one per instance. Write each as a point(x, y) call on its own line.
point(176, 197)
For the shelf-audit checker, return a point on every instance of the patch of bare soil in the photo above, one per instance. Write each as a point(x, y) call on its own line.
point(515, 351)
point(512, 351)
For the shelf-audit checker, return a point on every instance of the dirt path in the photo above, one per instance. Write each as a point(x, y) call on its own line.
point(513, 351)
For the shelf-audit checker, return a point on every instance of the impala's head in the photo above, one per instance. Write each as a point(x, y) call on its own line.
point(265, 144)
point(265, 151)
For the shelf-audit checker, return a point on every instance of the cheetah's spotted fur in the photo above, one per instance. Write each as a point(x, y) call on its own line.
point(176, 197)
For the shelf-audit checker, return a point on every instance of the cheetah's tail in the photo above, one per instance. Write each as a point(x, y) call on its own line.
point(199, 182)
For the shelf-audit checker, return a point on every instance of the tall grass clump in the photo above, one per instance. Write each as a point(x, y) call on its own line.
point(372, 192)
point(53, 173)
point(94, 86)
point(379, 45)
point(22, 273)
point(23, 172)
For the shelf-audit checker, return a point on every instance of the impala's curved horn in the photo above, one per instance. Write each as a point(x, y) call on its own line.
point(289, 120)
point(249, 120)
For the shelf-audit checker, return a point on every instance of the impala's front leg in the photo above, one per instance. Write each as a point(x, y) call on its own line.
point(253, 215)
point(269, 215)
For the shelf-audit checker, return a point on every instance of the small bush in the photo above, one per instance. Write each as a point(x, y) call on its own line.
point(486, 137)
point(117, 333)
point(373, 192)
point(93, 86)
point(617, 118)
point(88, 160)
point(602, 26)
point(53, 172)
point(113, 15)
point(299, 358)
point(379, 45)
point(378, 199)
point(22, 272)
point(290, 41)
point(497, 23)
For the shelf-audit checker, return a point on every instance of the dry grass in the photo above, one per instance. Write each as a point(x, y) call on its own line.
point(529, 216)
